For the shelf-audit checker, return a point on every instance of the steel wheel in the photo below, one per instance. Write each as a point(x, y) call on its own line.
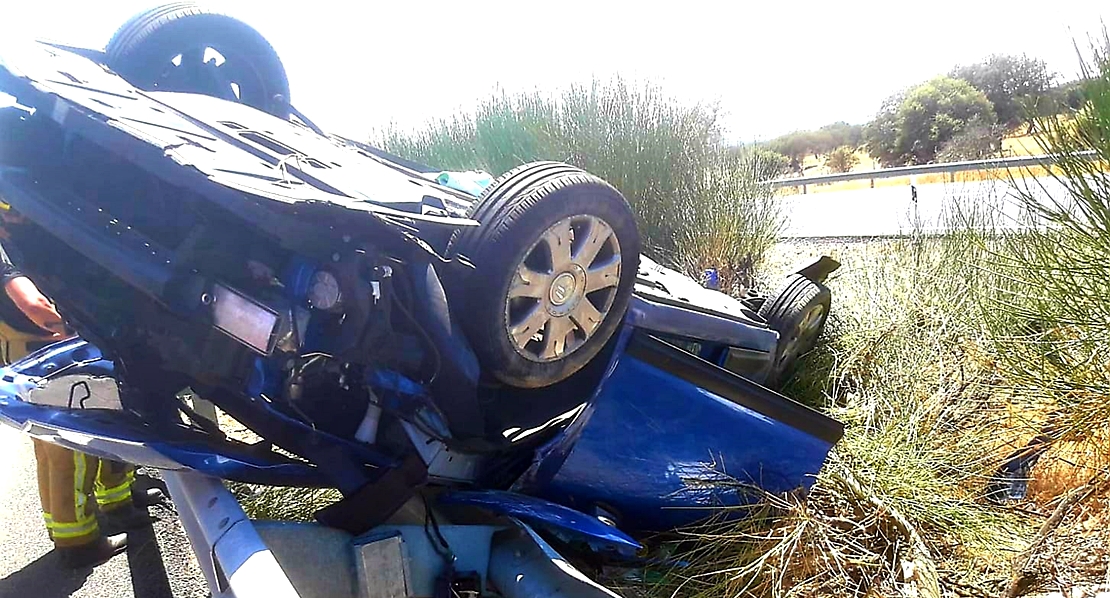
point(563, 288)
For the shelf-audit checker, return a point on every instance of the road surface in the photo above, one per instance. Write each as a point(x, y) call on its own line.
point(890, 211)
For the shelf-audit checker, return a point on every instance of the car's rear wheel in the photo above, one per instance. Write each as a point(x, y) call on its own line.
point(182, 46)
point(555, 260)
point(798, 312)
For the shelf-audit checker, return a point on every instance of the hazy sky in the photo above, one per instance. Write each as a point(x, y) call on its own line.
point(772, 66)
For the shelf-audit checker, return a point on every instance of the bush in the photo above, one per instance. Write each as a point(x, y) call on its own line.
point(797, 144)
point(976, 142)
point(944, 356)
point(902, 365)
point(699, 203)
point(912, 125)
point(767, 164)
point(842, 159)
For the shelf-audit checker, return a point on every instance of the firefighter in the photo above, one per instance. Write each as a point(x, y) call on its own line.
point(73, 487)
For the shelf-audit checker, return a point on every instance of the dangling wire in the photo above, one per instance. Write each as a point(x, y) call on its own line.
point(431, 529)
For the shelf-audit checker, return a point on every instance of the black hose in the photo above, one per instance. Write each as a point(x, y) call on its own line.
point(437, 359)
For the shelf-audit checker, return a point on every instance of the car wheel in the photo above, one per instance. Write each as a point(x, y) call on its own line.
point(798, 312)
point(184, 47)
point(555, 259)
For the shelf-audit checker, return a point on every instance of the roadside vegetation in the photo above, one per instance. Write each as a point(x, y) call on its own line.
point(945, 356)
point(698, 202)
point(970, 113)
point(952, 359)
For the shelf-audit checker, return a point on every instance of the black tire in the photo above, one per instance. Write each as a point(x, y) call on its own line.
point(791, 313)
point(518, 212)
point(144, 48)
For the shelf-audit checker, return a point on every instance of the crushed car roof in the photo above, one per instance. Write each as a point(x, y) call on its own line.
point(231, 144)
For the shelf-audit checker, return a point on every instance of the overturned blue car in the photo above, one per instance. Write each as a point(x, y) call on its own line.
point(510, 354)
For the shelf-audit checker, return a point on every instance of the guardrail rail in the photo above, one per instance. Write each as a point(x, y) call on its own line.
point(945, 168)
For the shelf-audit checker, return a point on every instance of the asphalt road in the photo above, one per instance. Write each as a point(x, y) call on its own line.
point(158, 562)
point(892, 211)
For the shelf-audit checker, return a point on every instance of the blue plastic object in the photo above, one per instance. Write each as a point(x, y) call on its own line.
point(473, 182)
point(710, 279)
point(297, 276)
point(390, 380)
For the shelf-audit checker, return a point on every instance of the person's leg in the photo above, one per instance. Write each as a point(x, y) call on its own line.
point(120, 508)
point(113, 485)
point(72, 507)
point(42, 464)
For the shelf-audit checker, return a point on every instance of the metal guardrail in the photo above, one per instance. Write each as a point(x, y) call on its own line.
point(901, 171)
point(234, 559)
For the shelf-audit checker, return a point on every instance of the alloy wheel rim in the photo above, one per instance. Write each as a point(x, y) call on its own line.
point(563, 288)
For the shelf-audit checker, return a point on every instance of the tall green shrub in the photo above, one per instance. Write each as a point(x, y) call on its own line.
point(698, 203)
point(1052, 319)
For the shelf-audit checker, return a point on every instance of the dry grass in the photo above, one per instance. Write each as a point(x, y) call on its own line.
point(1020, 145)
point(1069, 464)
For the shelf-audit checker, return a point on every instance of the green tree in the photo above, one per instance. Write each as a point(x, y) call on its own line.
point(1062, 98)
point(881, 134)
point(797, 144)
point(1011, 83)
point(764, 163)
point(794, 146)
point(912, 126)
point(841, 133)
point(842, 159)
point(976, 142)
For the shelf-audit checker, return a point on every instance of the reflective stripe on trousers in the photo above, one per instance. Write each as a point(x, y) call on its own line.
point(66, 480)
point(113, 484)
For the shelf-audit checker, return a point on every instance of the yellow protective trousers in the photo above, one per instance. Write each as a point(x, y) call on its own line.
point(72, 486)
